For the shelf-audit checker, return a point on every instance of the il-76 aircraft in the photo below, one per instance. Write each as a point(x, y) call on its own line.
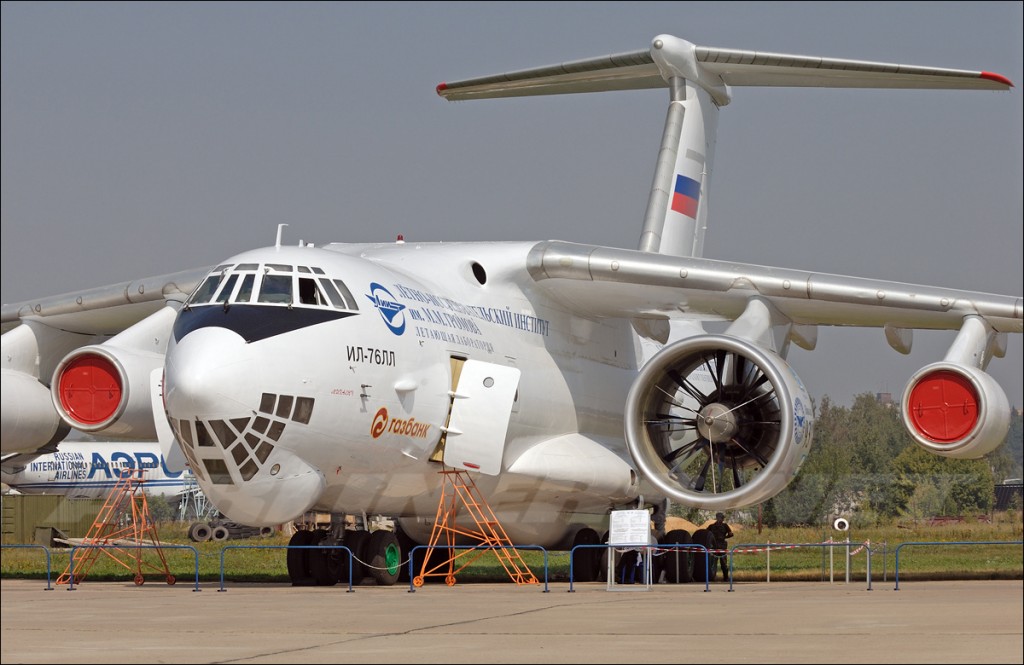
point(567, 379)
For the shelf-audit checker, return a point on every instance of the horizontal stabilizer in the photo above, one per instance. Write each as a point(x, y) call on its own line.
point(638, 70)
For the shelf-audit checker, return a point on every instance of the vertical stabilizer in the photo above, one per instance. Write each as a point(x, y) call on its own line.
point(699, 80)
point(677, 209)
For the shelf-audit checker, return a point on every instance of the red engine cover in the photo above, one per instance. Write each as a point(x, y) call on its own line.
point(90, 389)
point(943, 406)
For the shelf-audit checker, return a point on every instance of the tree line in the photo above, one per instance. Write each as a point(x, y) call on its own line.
point(863, 464)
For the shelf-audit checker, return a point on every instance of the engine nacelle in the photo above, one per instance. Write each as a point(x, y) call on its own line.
point(955, 410)
point(718, 423)
point(102, 388)
point(28, 421)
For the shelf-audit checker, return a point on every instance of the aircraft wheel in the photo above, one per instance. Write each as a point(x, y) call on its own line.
point(171, 580)
point(356, 542)
point(385, 557)
point(586, 564)
point(405, 545)
point(676, 561)
point(325, 566)
point(199, 532)
point(139, 579)
point(605, 552)
point(700, 571)
point(220, 534)
point(298, 559)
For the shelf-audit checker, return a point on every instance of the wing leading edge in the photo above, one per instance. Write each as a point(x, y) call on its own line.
point(601, 281)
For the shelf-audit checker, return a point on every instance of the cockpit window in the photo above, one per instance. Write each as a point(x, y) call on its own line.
point(309, 293)
point(245, 291)
point(206, 289)
point(225, 292)
point(346, 294)
point(273, 283)
point(276, 288)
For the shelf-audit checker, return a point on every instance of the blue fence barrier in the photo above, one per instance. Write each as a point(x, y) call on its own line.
point(71, 564)
point(651, 546)
point(285, 547)
point(482, 549)
point(732, 551)
point(991, 542)
point(46, 550)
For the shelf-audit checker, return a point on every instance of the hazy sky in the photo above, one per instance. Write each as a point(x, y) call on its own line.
point(145, 138)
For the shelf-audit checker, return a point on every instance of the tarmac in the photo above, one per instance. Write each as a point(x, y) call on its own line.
point(762, 622)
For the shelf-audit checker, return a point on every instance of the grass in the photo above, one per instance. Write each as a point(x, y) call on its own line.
point(263, 559)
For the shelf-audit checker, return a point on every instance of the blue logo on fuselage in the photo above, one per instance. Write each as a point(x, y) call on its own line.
point(390, 309)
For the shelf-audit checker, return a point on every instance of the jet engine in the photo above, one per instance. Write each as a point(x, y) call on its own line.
point(106, 387)
point(717, 422)
point(955, 410)
point(28, 420)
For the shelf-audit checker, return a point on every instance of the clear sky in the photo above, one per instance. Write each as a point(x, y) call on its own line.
point(145, 138)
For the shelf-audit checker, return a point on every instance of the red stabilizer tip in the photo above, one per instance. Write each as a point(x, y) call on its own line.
point(441, 87)
point(998, 78)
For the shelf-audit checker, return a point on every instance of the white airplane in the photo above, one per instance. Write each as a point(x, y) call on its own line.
point(90, 469)
point(567, 379)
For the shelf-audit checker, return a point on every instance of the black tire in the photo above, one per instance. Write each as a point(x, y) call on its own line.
point(384, 556)
point(355, 541)
point(406, 544)
point(199, 532)
point(220, 533)
point(586, 561)
point(675, 561)
point(605, 552)
point(298, 559)
point(325, 566)
point(703, 566)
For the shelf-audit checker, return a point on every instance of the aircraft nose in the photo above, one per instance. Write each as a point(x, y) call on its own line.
point(211, 373)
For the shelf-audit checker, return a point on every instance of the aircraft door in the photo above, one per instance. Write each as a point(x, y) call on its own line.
point(482, 404)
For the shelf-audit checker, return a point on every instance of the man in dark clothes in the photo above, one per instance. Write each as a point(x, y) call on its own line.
point(719, 532)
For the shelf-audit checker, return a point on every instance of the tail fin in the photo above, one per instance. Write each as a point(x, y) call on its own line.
point(699, 80)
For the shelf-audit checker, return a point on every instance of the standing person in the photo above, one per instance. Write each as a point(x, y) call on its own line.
point(720, 531)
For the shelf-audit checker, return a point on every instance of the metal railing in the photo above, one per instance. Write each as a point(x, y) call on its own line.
point(970, 542)
point(71, 563)
point(482, 549)
point(224, 549)
point(46, 550)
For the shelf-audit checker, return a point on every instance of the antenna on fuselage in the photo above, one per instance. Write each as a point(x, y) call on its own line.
point(280, 228)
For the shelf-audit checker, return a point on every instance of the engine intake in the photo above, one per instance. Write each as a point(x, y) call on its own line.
point(718, 423)
point(955, 410)
point(106, 389)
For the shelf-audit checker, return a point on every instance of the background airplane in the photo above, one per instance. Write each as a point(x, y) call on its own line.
point(515, 360)
point(90, 469)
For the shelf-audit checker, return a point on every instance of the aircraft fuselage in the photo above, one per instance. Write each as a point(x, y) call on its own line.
point(339, 403)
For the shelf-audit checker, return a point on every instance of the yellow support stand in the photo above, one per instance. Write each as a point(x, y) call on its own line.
point(460, 490)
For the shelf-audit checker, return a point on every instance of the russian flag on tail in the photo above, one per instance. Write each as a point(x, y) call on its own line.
point(685, 196)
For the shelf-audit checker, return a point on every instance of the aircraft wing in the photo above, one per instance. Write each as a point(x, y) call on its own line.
point(606, 282)
point(105, 310)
